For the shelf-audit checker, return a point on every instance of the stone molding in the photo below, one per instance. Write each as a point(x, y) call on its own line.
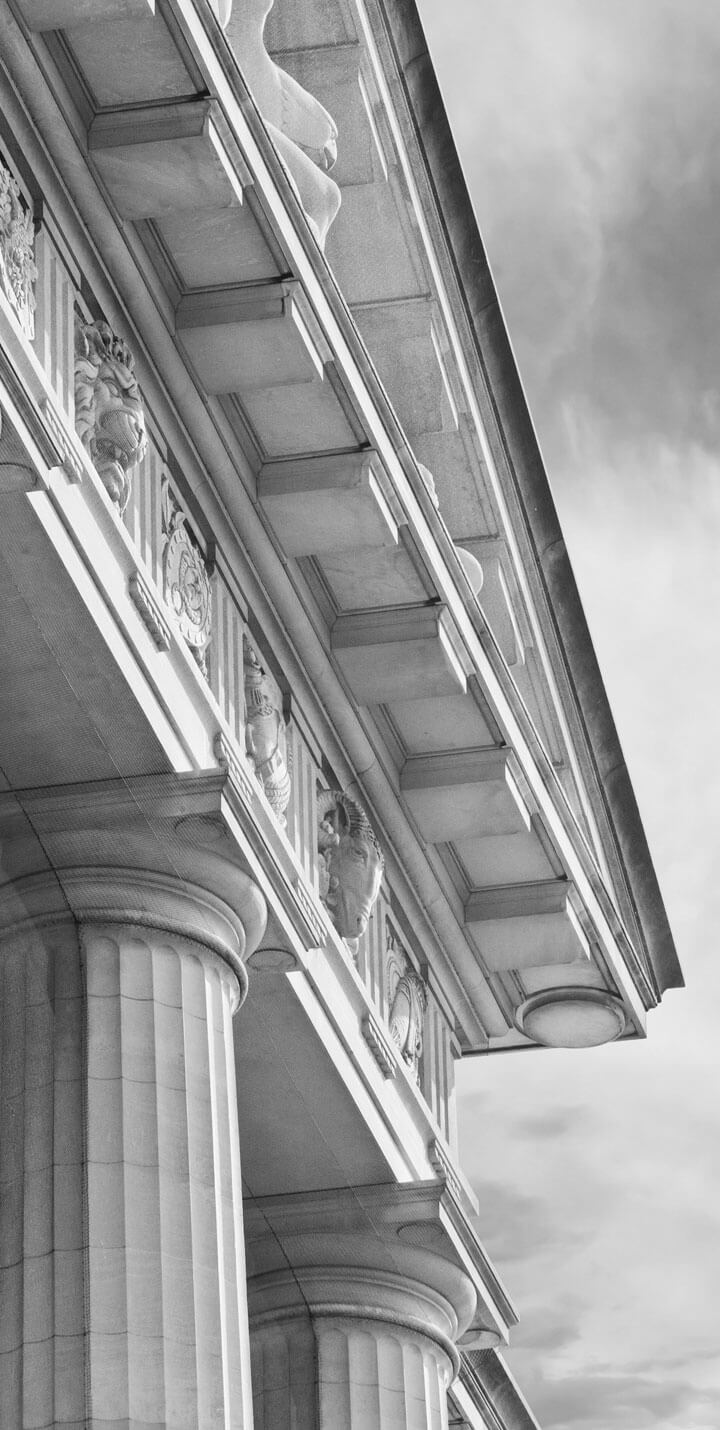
point(149, 607)
point(380, 1045)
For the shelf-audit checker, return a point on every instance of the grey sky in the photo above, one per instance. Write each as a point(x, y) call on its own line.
point(590, 135)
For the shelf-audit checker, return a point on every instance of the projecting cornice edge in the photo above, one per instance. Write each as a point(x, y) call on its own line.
point(531, 487)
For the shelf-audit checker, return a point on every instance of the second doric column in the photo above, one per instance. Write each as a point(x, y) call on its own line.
point(357, 1299)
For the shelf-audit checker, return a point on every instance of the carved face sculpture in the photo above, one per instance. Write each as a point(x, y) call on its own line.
point(353, 862)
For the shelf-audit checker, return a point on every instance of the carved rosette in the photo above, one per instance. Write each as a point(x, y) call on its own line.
point(265, 739)
point(17, 251)
point(351, 864)
point(109, 414)
point(407, 1002)
point(186, 583)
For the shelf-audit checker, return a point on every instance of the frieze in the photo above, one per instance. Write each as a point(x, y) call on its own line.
point(109, 415)
point(18, 271)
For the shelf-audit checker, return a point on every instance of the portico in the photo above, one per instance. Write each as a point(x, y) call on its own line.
point(309, 785)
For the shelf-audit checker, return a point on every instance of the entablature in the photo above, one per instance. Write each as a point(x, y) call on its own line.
point(281, 347)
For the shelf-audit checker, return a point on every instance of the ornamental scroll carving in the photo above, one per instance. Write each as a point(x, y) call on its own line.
point(17, 251)
point(407, 1001)
point(351, 864)
point(265, 739)
point(186, 581)
point(109, 415)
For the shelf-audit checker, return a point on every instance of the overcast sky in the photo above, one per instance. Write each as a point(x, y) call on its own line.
point(590, 135)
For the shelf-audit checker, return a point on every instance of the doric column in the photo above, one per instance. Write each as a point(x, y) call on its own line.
point(122, 1271)
point(357, 1300)
point(317, 1371)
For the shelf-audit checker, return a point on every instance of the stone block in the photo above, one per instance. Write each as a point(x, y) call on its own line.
point(403, 653)
point(333, 503)
point(463, 795)
point(526, 926)
point(164, 159)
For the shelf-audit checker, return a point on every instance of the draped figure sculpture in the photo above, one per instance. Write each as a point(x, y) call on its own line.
point(304, 133)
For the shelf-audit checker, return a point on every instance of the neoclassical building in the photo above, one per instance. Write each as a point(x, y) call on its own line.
point(309, 786)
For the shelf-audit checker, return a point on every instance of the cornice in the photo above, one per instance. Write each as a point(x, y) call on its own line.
point(554, 578)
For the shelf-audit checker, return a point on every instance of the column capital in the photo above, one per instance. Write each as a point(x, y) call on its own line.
point(406, 1255)
point(153, 852)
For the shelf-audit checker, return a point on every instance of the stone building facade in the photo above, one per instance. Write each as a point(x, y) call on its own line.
point(308, 782)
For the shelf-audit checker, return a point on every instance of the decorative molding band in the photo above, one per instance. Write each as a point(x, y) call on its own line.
point(238, 774)
point(308, 906)
point(380, 1045)
point(69, 460)
point(445, 1170)
point(150, 610)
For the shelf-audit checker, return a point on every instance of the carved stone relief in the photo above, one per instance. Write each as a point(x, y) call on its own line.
point(186, 583)
point(351, 864)
point(109, 416)
point(265, 739)
point(17, 251)
point(304, 133)
point(407, 1002)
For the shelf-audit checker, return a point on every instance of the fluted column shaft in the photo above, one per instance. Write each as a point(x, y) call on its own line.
point(122, 1277)
point(347, 1373)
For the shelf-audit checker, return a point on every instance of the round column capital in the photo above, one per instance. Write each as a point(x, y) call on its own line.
point(141, 899)
point(383, 1300)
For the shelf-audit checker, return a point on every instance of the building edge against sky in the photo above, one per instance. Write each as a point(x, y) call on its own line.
point(309, 781)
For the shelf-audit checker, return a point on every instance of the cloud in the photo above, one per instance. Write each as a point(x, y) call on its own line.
point(517, 1226)
point(592, 1401)
point(594, 130)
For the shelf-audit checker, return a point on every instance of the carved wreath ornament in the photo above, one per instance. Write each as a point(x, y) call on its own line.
point(186, 584)
point(109, 416)
point(407, 1001)
point(17, 251)
point(265, 738)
